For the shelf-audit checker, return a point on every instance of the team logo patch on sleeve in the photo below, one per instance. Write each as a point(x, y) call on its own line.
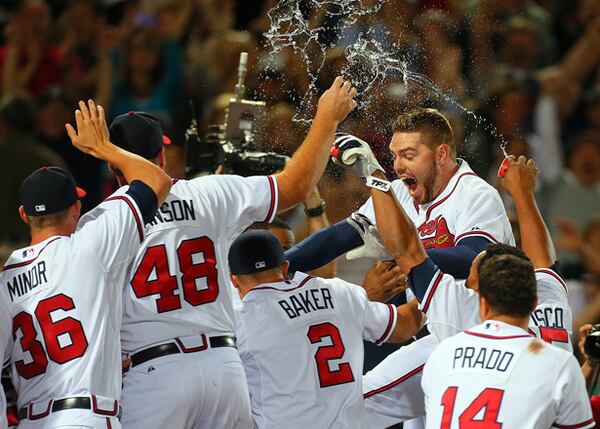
point(435, 234)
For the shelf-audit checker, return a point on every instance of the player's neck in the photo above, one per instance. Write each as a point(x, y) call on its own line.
point(519, 322)
point(447, 175)
point(37, 236)
point(248, 286)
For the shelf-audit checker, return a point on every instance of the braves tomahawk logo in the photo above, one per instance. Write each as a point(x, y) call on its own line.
point(435, 234)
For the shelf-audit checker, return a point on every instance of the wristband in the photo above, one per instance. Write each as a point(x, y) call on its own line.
point(316, 211)
point(379, 184)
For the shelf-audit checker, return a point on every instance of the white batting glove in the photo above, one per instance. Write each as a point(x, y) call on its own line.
point(355, 154)
point(373, 245)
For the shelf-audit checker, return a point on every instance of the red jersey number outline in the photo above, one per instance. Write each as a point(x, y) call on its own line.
point(51, 331)
point(336, 350)
point(155, 259)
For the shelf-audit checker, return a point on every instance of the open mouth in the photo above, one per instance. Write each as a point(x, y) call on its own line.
point(410, 183)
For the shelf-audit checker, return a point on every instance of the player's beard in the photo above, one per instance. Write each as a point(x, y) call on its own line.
point(429, 183)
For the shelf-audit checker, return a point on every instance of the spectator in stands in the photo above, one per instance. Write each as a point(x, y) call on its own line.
point(86, 66)
point(21, 154)
point(575, 196)
point(55, 110)
point(151, 73)
point(29, 61)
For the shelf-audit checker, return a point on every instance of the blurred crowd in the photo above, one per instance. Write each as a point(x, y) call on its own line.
point(529, 70)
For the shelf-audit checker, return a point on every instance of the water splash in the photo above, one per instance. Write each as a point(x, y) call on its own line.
point(368, 62)
point(291, 30)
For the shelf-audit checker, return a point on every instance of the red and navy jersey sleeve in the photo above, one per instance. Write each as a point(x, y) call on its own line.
point(113, 231)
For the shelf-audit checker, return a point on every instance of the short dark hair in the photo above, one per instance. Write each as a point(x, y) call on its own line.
point(507, 281)
point(430, 122)
point(495, 249)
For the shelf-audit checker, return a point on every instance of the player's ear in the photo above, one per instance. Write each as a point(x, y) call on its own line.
point(22, 214)
point(444, 153)
point(234, 281)
point(285, 268)
point(75, 210)
point(484, 308)
point(161, 159)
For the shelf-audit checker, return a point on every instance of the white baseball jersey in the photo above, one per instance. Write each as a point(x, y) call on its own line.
point(467, 207)
point(451, 307)
point(301, 345)
point(392, 389)
point(65, 305)
point(497, 375)
point(5, 348)
point(178, 283)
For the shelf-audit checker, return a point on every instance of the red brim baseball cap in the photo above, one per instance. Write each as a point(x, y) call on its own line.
point(49, 190)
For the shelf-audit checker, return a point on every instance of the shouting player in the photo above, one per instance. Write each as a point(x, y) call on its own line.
point(457, 215)
point(64, 289)
point(452, 307)
point(301, 339)
point(178, 321)
point(456, 212)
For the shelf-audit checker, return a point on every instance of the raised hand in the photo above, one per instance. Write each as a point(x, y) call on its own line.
point(356, 154)
point(520, 176)
point(92, 135)
point(337, 102)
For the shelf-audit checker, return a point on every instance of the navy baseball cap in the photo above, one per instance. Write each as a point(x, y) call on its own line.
point(139, 133)
point(255, 251)
point(49, 190)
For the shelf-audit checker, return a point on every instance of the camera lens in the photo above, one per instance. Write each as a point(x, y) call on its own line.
point(592, 344)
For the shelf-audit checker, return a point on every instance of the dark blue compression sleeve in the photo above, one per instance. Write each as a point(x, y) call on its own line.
point(457, 260)
point(145, 199)
point(420, 277)
point(323, 247)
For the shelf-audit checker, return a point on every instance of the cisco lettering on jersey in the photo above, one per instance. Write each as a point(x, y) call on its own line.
point(482, 358)
point(25, 282)
point(549, 317)
point(306, 301)
point(174, 210)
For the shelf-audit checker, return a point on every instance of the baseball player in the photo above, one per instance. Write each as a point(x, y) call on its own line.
point(456, 213)
point(5, 346)
point(64, 289)
point(497, 374)
point(178, 320)
point(301, 339)
point(450, 306)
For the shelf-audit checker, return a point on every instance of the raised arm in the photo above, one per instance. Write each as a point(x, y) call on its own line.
point(397, 231)
point(92, 138)
point(301, 174)
point(519, 182)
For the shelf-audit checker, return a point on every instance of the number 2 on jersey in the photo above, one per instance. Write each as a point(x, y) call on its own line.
point(490, 400)
point(164, 284)
point(324, 354)
point(51, 331)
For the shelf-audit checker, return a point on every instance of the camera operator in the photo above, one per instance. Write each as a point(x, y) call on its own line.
point(589, 347)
